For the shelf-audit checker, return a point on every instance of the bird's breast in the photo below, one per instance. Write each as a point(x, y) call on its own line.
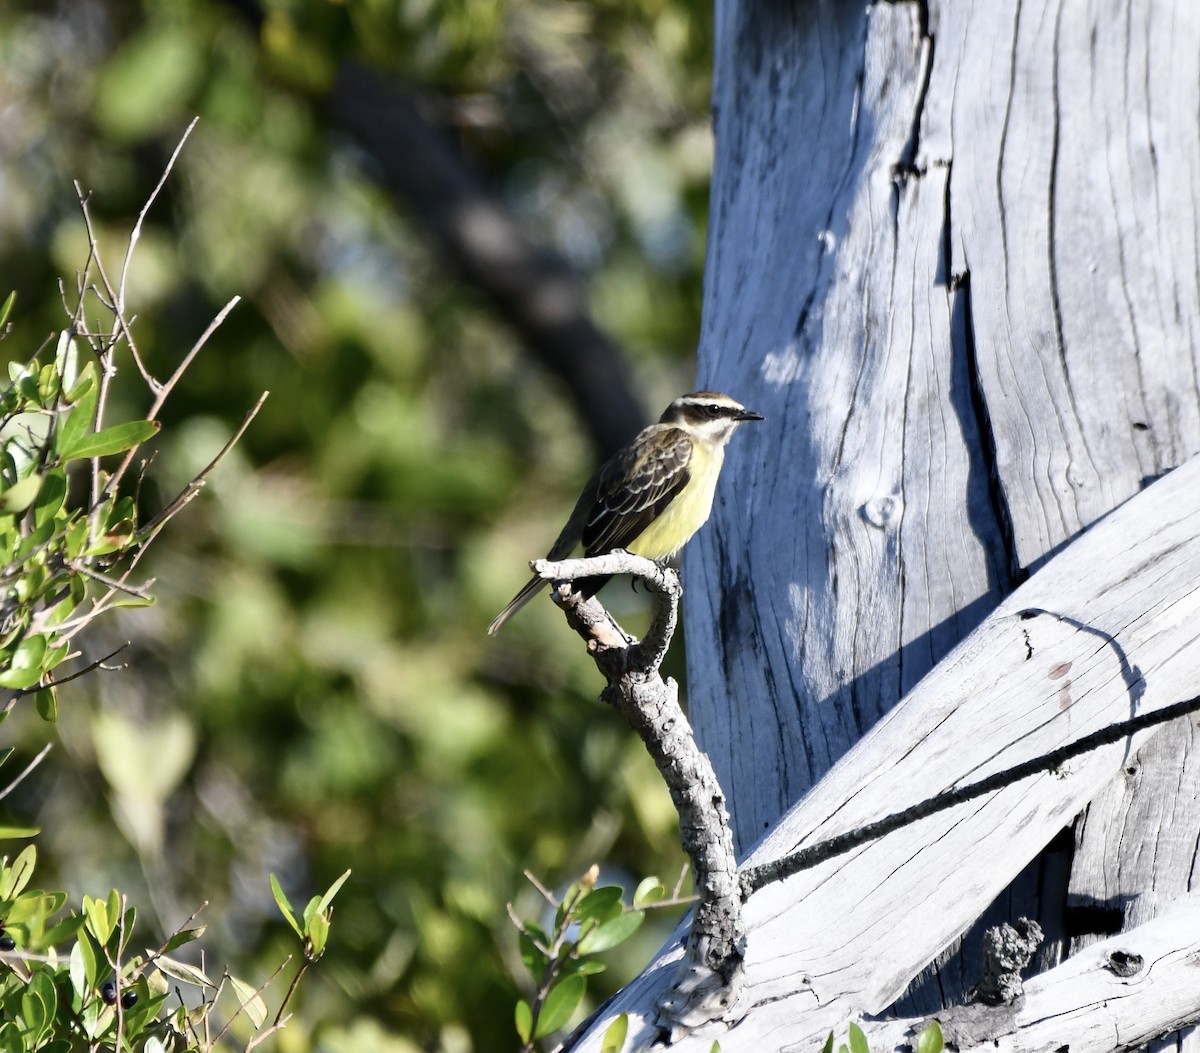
point(687, 512)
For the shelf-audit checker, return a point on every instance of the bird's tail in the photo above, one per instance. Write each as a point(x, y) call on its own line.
point(588, 586)
point(531, 589)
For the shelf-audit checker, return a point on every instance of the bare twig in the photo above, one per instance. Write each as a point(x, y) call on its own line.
point(27, 769)
point(134, 237)
point(158, 521)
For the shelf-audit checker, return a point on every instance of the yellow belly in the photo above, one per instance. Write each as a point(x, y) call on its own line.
point(687, 513)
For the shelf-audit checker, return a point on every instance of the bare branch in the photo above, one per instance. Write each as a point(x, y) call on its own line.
point(710, 974)
point(136, 233)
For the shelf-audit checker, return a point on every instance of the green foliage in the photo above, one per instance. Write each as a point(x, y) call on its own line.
point(70, 979)
point(587, 920)
point(62, 563)
point(930, 1040)
point(315, 675)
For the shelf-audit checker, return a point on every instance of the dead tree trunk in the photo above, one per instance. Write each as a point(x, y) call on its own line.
point(954, 254)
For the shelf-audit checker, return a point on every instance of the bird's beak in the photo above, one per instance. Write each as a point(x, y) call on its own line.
point(747, 414)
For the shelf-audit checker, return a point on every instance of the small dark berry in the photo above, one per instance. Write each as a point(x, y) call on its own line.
point(128, 999)
point(108, 991)
point(7, 943)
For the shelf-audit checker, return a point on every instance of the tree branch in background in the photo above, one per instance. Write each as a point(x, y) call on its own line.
point(533, 289)
point(711, 971)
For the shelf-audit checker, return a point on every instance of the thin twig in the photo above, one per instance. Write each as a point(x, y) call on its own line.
point(167, 386)
point(28, 768)
point(97, 664)
point(159, 520)
point(547, 895)
point(134, 237)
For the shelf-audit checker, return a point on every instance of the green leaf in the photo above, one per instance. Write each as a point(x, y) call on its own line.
point(61, 932)
point(17, 874)
point(249, 1001)
point(614, 1036)
point(78, 970)
point(66, 360)
point(285, 908)
point(332, 891)
point(92, 963)
point(583, 966)
point(188, 974)
point(98, 922)
point(560, 1003)
point(858, 1040)
point(46, 701)
point(931, 1040)
point(20, 495)
point(318, 934)
point(13, 833)
point(6, 308)
point(117, 439)
point(39, 1003)
point(25, 668)
point(649, 890)
point(611, 933)
point(600, 903)
point(113, 908)
point(535, 960)
point(75, 424)
point(75, 390)
point(51, 497)
point(828, 1047)
point(523, 1018)
point(182, 937)
point(310, 908)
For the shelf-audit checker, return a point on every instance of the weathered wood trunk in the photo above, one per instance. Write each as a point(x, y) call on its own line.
point(954, 254)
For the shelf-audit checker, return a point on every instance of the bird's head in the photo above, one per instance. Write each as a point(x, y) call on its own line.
point(708, 415)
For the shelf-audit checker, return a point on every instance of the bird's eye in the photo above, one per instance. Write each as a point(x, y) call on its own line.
point(712, 411)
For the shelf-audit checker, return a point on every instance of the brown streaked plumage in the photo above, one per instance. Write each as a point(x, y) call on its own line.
point(652, 496)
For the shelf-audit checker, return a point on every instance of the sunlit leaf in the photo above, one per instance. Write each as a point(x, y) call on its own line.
point(18, 872)
point(285, 908)
point(931, 1040)
point(523, 1019)
point(614, 1035)
point(560, 1003)
point(611, 933)
point(318, 933)
point(601, 904)
point(26, 665)
point(649, 890)
point(250, 1001)
point(188, 974)
point(332, 891)
point(182, 937)
point(117, 439)
point(20, 495)
point(858, 1040)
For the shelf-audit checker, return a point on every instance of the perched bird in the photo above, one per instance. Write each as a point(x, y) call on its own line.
point(652, 496)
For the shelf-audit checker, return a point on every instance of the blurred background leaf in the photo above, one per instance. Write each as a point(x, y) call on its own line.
point(314, 689)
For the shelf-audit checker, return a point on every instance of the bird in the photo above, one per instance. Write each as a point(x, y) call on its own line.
point(652, 495)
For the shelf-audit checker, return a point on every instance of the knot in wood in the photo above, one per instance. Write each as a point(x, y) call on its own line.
point(1007, 950)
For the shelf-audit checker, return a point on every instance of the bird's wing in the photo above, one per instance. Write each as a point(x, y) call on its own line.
point(634, 487)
